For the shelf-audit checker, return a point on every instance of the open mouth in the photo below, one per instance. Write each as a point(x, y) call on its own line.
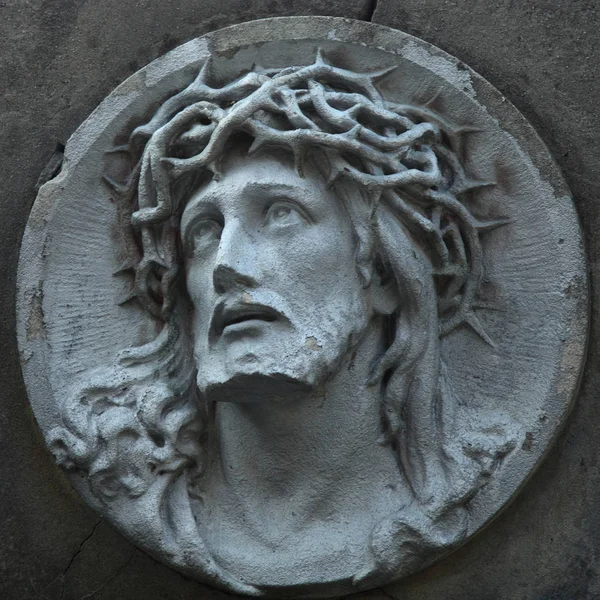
point(228, 316)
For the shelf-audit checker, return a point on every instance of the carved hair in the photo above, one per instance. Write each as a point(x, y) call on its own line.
point(417, 229)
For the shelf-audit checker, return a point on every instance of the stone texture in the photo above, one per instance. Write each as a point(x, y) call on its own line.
point(60, 58)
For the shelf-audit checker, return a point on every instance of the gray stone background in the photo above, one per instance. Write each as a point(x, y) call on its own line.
point(60, 58)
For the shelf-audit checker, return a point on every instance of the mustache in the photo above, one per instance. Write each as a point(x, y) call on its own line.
point(244, 307)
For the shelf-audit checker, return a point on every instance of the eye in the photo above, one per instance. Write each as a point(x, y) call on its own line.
point(205, 232)
point(284, 213)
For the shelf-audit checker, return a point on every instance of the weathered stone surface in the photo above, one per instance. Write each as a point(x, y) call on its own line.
point(61, 58)
point(276, 273)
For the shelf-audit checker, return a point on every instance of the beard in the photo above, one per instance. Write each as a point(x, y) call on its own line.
point(284, 359)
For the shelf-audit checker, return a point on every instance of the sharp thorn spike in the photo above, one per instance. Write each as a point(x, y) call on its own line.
point(114, 185)
point(473, 184)
point(204, 72)
point(319, 59)
point(256, 145)
point(467, 129)
point(272, 105)
point(160, 262)
point(121, 148)
point(354, 132)
point(484, 226)
point(377, 76)
point(473, 322)
point(126, 265)
point(333, 175)
point(353, 110)
point(299, 156)
point(432, 100)
point(217, 168)
point(128, 298)
point(488, 305)
point(170, 162)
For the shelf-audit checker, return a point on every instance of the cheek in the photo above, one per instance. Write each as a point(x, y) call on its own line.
point(199, 285)
point(322, 260)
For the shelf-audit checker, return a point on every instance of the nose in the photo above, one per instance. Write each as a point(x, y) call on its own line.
point(226, 278)
point(235, 265)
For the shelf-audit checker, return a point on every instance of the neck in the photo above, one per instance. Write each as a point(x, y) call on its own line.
point(308, 456)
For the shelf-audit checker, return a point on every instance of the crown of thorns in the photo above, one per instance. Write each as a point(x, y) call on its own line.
point(398, 152)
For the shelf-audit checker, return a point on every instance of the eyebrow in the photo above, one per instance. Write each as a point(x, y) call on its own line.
point(208, 204)
point(255, 188)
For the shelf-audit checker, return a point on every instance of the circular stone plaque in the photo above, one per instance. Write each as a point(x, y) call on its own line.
point(304, 308)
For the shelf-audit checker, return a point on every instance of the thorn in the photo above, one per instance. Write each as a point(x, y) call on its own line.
point(177, 166)
point(353, 133)
point(353, 110)
point(319, 59)
point(432, 99)
point(256, 145)
point(377, 76)
point(335, 172)
point(115, 186)
point(128, 264)
point(488, 305)
point(121, 148)
point(299, 156)
point(472, 321)
point(493, 224)
point(204, 73)
point(141, 133)
point(128, 298)
point(473, 184)
point(447, 304)
point(271, 105)
point(168, 161)
point(261, 71)
point(160, 262)
point(214, 167)
point(466, 130)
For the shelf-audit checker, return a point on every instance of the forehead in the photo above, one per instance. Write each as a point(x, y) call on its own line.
point(246, 178)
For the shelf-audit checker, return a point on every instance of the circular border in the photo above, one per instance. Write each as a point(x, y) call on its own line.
point(34, 346)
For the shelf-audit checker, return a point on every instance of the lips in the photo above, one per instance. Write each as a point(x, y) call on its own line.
point(228, 315)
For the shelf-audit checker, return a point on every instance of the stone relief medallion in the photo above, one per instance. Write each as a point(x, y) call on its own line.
point(304, 307)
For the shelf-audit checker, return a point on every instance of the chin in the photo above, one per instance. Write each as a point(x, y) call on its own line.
point(252, 376)
point(256, 367)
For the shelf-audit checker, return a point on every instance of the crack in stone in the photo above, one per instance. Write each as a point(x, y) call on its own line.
point(63, 575)
point(111, 578)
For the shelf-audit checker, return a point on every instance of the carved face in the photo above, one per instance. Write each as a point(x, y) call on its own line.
point(272, 275)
